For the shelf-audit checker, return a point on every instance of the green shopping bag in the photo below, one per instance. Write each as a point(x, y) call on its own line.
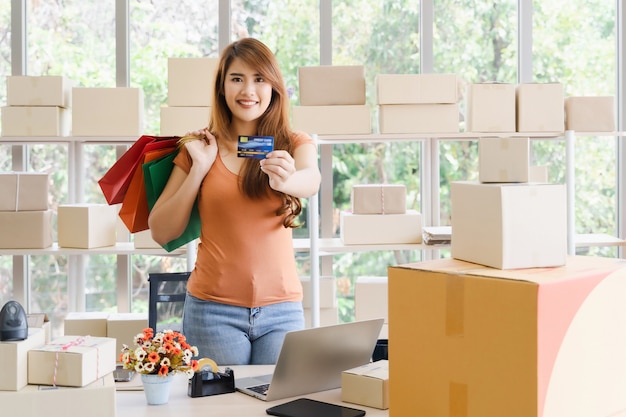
point(156, 173)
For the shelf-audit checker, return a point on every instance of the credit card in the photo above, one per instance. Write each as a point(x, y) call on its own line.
point(254, 146)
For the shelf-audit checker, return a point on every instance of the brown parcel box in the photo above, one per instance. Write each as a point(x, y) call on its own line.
point(14, 360)
point(332, 85)
point(24, 191)
point(25, 229)
point(481, 342)
point(367, 385)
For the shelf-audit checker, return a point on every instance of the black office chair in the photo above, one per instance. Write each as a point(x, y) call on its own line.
point(167, 298)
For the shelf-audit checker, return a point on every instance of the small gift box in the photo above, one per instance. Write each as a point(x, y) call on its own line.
point(379, 199)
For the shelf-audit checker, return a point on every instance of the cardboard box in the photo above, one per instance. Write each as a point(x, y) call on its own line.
point(123, 327)
point(72, 361)
point(24, 191)
point(418, 118)
point(332, 85)
point(107, 111)
point(483, 342)
point(509, 226)
point(503, 160)
point(95, 400)
point(378, 199)
point(373, 229)
point(328, 317)
point(332, 120)
point(367, 385)
point(416, 88)
point(143, 240)
point(327, 292)
point(36, 121)
point(86, 225)
point(490, 107)
point(92, 323)
point(590, 114)
point(40, 321)
point(176, 121)
point(540, 107)
point(25, 229)
point(370, 298)
point(49, 90)
point(191, 82)
point(14, 360)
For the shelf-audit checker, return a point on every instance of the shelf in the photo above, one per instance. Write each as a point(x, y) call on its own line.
point(17, 140)
point(120, 248)
point(600, 239)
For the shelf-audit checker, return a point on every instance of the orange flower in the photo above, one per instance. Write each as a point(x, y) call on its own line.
point(163, 371)
point(153, 357)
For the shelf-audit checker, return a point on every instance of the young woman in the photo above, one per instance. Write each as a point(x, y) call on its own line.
point(244, 292)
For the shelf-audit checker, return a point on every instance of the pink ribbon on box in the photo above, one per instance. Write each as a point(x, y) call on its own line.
point(76, 342)
point(382, 199)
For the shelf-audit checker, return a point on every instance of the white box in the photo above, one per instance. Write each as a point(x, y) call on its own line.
point(176, 121)
point(509, 226)
point(372, 229)
point(72, 361)
point(378, 199)
point(49, 90)
point(418, 118)
point(95, 400)
point(25, 229)
point(24, 191)
point(590, 114)
point(107, 111)
point(416, 88)
point(86, 225)
point(191, 82)
point(332, 120)
point(503, 159)
point(36, 121)
point(327, 292)
point(370, 298)
point(367, 385)
point(332, 85)
point(14, 360)
point(540, 107)
point(490, 107)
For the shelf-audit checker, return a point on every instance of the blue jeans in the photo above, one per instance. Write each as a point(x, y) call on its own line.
point(232, 335)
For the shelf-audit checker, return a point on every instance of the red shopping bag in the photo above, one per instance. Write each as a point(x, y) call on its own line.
point(115, 182)
point(134, 211)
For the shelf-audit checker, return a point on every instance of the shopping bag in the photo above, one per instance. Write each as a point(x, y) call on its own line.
point(116, 180)
point(156, 174)
point(134, 211)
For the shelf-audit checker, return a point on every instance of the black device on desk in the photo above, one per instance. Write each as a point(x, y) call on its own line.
point(306, 407)
point(206, 382)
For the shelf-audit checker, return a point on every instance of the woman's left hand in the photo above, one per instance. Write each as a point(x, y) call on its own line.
point(279, 166)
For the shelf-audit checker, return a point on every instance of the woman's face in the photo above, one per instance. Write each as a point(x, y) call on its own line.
point(247, 94)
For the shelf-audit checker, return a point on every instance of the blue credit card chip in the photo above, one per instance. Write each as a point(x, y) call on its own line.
point(254, 146)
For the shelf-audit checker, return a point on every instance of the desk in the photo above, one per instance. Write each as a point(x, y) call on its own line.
point(133, 403)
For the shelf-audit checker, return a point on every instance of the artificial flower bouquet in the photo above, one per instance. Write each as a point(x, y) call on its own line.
point(163, 353)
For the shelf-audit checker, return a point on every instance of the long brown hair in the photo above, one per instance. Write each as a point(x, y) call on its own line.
point(274, 122)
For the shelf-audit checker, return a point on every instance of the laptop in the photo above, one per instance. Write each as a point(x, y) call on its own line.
point(312, 360)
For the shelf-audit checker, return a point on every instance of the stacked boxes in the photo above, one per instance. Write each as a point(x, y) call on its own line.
point(379, 216)
point(332, 101)
point(417, 103)
point(37, 106)
point(191, 83)
point(25, 219)
point(107, 111)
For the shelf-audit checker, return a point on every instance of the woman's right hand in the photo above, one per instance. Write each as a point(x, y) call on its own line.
point(203, 152)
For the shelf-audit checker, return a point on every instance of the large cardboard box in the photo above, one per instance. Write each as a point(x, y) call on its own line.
point(540, 107)
point(49, 90)
point(482, 342)
point(176, 121)
point(508, 225)
point(370, 298)
point(86, 323)
point(24, 191)
point(14, 360)
point(504, 160)
point(332, 120)
point(327, 292)
point(416, 88)
point(418, 118)
point(107, 111)
point(191, 82)
point(25, 229)
point(378, 199)
point(86, 225)
point(490, 107)
point(367, 385)
point(332, 85)
point(372, 229)
point(95, 400)
point(72, 361)
point(123, 327)
point(590, 113)
point(36, 121)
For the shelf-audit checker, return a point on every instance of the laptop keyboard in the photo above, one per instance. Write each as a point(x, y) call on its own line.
point(261, 389)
